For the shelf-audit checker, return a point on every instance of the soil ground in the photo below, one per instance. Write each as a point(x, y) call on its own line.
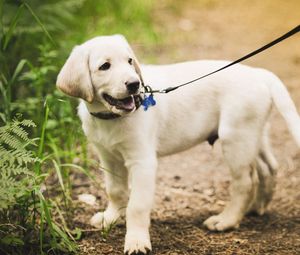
point(193, 185)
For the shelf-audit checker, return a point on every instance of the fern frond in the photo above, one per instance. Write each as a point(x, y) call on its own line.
point(17, 170)
point(8, 139)
point(27, 123)
point(16, 161)
point(20, 131)
point(25, 157)
point(14, 134)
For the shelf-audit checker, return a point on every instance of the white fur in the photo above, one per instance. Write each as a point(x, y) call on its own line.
point(234, 103)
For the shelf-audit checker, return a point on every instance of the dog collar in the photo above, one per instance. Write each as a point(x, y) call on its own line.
point(105, 115)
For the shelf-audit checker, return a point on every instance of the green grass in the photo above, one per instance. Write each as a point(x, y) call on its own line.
point(40, 134)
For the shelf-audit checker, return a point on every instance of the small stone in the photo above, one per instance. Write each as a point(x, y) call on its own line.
point(167, 198)
point(239, 241)
point(208, 192)
point(177, 177)
point(87, 199)
point(221, 202)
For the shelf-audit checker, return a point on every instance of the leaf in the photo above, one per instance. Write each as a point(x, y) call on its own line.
point(77, 232)
point(12, 240)
point(2, 89)
point(2, 117)
point(18, 69)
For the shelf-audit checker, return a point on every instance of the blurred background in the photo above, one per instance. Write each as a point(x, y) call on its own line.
point(45, 161)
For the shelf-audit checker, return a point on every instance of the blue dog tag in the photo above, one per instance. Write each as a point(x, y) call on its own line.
point(148, 101)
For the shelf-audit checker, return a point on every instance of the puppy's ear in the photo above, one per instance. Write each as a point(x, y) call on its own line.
point(136, 63)
point(74, 78)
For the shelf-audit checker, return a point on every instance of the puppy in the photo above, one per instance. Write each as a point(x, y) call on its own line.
point(232, 105)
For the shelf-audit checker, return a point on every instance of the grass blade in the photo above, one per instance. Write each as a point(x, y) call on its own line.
point(12, 26)
point(45, 212)
point(42, 140)
point(18, 69)
point(37, 19)
point(1, 19)
point(59, 175)
point(71, 246)
point(87, 173)
point(65, 227)
point(41, 227)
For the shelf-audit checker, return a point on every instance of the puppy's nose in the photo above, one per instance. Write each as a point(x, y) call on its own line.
point(132, 86)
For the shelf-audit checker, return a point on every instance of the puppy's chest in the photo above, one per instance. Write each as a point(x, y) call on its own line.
point(105, 135)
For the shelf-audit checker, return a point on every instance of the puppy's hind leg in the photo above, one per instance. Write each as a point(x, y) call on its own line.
point(240, 148)
point(266, 168)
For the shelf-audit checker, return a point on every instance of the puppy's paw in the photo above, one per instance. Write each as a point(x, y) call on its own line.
point(221, 222)
point(137, 243)
point(103, 220)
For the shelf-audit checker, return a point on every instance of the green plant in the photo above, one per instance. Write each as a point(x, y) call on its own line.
point(24, 210)
point(132, 18)
point(35, 39)
point(27, 214)
point(15, 162)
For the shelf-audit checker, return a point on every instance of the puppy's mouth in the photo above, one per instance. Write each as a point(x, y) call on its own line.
point(127, 104)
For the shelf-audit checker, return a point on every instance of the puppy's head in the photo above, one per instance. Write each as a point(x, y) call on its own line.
point(103, 69)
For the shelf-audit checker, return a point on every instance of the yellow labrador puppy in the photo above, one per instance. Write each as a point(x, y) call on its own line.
point(233, 105)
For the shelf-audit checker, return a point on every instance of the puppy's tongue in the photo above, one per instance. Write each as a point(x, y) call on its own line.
point(127, 103)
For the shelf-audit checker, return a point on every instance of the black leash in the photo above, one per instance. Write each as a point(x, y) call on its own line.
point(148, 89)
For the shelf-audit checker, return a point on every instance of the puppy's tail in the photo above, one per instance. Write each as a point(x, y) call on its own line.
point(286, 107)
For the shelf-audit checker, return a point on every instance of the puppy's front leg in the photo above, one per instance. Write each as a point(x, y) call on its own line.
point(116, 183)
point(142, 173)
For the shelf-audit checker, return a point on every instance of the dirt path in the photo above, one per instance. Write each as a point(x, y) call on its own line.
point(193, 185)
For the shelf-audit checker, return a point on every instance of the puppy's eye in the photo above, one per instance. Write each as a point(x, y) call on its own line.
point(130, 60)
point(105, 66)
